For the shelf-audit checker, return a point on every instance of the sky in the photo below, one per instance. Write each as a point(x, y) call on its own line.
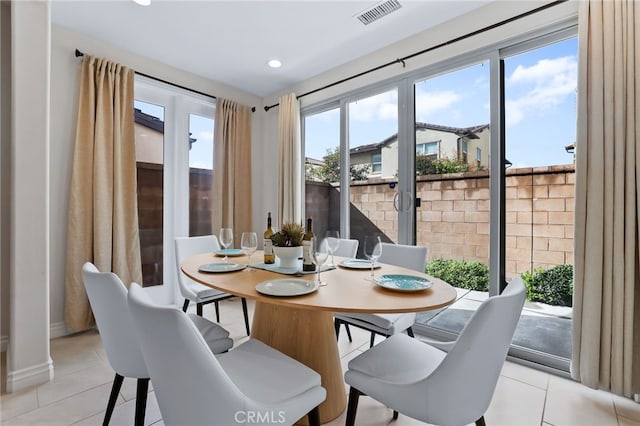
point(540, 93)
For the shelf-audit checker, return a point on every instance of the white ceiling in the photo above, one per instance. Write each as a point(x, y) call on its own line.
point(231, 41)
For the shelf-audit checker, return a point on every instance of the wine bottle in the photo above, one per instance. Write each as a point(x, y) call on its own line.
point(307, 247)
point(269, 256)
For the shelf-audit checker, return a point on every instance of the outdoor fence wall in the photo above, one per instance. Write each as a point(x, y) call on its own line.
point(453, 220)
point(150, 212)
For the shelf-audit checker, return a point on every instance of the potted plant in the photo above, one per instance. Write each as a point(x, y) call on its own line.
point(287, 244)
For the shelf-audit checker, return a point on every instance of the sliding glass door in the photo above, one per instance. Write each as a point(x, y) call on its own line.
point(372, 165)
point(473, 159)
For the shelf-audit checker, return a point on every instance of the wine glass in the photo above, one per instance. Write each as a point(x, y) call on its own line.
point(249, 243)
point(320, 254)
point(226, 239)
point(333, 242)
point(373, 250)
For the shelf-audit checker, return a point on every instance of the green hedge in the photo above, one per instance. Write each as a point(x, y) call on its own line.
point(460, 273)
point(552, 286)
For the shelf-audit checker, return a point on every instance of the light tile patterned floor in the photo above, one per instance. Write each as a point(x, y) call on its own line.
point(79, 392)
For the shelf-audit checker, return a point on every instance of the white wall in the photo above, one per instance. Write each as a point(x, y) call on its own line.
point(5, 153)
point(479, 18)
point(64, 72)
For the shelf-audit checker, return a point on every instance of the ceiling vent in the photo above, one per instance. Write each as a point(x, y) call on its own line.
point(378, 11)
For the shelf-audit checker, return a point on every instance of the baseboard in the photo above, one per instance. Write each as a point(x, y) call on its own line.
point(58, 329)
point(30, 376)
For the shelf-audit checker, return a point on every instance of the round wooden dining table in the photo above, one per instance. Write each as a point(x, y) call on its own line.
point(302, 326)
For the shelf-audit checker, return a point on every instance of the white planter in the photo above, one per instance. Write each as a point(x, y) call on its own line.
point(288, 256)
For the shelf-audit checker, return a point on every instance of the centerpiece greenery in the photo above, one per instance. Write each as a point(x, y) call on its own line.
point(289, 235)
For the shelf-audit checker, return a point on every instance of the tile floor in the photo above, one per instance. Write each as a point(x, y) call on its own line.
point(79, 392)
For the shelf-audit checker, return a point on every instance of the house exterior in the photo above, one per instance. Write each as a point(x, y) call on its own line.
point(467, 144)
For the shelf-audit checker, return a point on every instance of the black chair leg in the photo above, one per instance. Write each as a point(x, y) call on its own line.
point(352, 406)
point(199, 309)
point(217, 311)
point(480, 422)
point(185, 305)
point(246, 315)
point(115, 390)
point(410, 332)
point(346, 327)
point(395, 415)
point(314, 416)
point(141, 401)
point(336, 326)
point(372, 340)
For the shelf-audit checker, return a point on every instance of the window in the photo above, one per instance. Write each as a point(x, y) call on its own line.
point(463, 150)
point(174, 155)
point(430, 149)
point(200, 174)
point(376, 163)
point(511, 100)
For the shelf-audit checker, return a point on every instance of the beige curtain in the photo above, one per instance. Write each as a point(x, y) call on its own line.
point(231, 199)
point(606, 312)
point(290, 170)
point(103, 212)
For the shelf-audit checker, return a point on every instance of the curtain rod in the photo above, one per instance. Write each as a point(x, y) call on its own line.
point(429, 49)
point(80, 54)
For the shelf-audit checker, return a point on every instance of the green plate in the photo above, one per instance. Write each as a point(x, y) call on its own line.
point(399, 282)
point(230, 252)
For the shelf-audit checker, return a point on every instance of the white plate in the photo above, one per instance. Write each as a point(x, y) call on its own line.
point(287, 287)
point(221, 267)
point(358, 264)
point(230, 252)
point(400, 282)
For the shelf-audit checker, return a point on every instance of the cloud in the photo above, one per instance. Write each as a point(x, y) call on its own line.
point(547, 83)
point(428, 103)
point(329, 116)
point(380, 107)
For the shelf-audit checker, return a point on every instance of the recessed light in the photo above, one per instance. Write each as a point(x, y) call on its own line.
point(274, 63)
point(142, 2)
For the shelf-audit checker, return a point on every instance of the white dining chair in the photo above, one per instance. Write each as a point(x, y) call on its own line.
point(195, 292)
point(251, 384)
point(406, 256)
point(348, 248)
point(108, 299)
point(437, 387)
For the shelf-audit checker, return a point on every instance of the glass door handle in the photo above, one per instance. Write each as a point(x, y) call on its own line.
point(399, 202)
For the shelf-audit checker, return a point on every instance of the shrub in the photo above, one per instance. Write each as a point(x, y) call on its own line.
point(460, 273)
point(552, 286)
point(426, 165)
point(528, 277)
